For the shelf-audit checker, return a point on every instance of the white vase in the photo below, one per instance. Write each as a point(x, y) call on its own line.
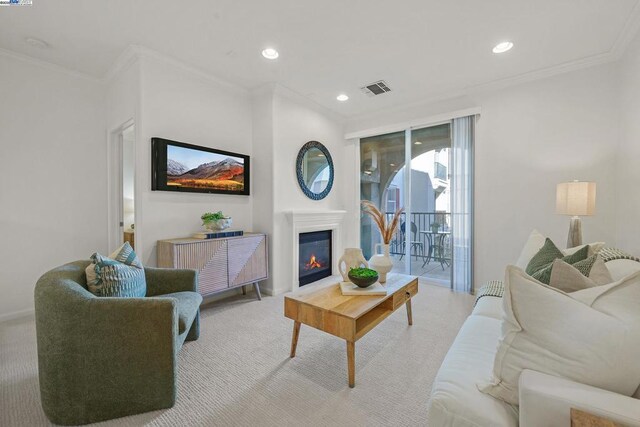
point(352, 258)
point(381, 262)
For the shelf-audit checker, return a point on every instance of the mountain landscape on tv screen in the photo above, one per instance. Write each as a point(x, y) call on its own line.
point(227, 174)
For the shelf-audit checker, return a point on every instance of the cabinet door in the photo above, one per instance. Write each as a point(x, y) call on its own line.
point(210, 259)
point(247, 260)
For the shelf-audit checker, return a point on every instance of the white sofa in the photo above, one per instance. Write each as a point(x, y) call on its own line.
point(545, 400)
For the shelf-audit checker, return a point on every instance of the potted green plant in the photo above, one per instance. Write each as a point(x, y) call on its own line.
point(435, 227)
point(363, 277)
point(215, 220)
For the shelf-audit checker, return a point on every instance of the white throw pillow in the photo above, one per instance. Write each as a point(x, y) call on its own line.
point(590, 336)
point(533, 245)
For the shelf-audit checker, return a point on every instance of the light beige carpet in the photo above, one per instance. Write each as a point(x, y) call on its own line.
point(239, 372)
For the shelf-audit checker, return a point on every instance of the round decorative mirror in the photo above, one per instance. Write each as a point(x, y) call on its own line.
point(314, 168)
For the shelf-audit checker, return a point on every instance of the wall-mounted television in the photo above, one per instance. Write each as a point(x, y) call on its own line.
point(176, 166)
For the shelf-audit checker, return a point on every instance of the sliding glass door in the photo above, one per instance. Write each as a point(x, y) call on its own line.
point(412, 169)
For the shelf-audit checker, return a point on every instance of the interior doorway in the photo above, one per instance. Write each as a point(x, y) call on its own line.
point(122, 183)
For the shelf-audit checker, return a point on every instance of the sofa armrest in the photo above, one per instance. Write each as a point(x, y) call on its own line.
point(546, 400)
point(161, 281)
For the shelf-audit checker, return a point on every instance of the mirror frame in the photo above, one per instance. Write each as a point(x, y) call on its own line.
point(305, 148)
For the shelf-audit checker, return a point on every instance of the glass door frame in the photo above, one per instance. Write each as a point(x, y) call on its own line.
point(408, 147)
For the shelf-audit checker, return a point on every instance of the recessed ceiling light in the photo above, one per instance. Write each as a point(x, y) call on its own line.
point(367, 172)
point(502, 47)
point(270, 53)
point(40, 44)
point(417, 143)
point(392, 164)
point(342, 97)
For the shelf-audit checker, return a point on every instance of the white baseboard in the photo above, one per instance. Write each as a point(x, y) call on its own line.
point(17, 315)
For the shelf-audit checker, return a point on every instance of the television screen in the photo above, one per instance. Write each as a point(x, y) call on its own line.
point(177, 166)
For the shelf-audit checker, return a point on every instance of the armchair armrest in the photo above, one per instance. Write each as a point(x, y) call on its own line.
point(161, 281)
point(546, 400)
point(123, 350)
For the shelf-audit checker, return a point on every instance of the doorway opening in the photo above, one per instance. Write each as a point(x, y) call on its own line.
point(122, 183)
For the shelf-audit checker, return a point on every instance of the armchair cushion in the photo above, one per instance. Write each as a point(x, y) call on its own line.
point(121, 275)
point(188, 304)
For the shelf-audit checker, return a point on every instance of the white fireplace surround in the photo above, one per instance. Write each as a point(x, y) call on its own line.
point(308, 221)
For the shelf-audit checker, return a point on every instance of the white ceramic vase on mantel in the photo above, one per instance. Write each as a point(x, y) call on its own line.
point(381, 262)
point(352, 258)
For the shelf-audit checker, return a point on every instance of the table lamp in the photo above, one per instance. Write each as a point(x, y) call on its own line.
point(576, 198)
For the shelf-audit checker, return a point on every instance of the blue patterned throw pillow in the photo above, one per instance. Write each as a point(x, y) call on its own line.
point(120, 275)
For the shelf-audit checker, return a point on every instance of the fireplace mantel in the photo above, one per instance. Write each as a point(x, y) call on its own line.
point(304, 221)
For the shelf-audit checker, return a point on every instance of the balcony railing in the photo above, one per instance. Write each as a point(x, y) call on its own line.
point(427, 240)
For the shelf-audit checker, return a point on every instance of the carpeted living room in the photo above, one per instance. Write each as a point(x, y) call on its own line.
point(331, 213)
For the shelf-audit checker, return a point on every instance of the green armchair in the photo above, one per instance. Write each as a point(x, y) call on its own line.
point(104, 358)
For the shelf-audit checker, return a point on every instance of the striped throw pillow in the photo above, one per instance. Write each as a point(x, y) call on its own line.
point(120, 275)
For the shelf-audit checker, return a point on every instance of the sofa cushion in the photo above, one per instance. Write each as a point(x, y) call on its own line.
point(533, 244)
point(188, 304)
point(489, 306)
point(536, 240)
point(590, 336)
point(582, 275)
point(455, 400)
point(621, 268)
point(545, 256)
point(578, 258)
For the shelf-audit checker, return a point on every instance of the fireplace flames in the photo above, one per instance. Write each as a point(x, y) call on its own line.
point(313, 263)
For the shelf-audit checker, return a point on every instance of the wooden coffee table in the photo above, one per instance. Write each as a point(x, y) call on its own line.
point(323, 307)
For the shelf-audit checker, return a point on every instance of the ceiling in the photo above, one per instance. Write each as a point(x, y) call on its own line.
point(421, 48)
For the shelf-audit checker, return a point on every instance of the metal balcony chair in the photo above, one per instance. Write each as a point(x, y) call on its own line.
point(415, 246)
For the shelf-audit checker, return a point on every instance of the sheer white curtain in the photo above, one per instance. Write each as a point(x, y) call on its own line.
point(462, 141)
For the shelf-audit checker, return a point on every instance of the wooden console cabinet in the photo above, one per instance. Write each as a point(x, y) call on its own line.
point(222, 264)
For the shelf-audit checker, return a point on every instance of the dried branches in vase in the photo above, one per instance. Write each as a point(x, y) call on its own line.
point(381, 262)
point(387, 230)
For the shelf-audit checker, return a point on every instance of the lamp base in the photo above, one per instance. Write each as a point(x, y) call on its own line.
point(575, 232)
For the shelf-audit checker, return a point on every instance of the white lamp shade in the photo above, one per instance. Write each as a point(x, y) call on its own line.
point(576, 198)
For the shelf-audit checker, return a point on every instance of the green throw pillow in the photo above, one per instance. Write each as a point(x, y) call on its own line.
point(544, 274)
point(545, 256)
point(584, 266)
point(120, 276)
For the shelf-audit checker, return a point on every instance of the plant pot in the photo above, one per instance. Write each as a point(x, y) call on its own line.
point(362, 282)
point(381, 262)
point(218, 225)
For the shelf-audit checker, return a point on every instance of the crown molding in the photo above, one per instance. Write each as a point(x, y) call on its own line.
point(628, 33)
point(614, 54)
point(307, 102)
point(122, 62)
point(48, 65)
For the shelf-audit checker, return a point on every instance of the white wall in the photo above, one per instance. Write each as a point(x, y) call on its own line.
point(628, 167)
point(529, 138)
point(53, 207)
point(184, 105)
point(296, 121)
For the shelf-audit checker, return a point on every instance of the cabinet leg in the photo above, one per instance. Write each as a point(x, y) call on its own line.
point(244, 290)
point(294, 338)
point(257, 288)
point(351, 363)
point(409, 315)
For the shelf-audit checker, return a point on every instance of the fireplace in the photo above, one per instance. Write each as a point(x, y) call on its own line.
point(314, 256)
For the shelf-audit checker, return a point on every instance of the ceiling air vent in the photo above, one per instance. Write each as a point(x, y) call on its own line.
point(377, 88)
